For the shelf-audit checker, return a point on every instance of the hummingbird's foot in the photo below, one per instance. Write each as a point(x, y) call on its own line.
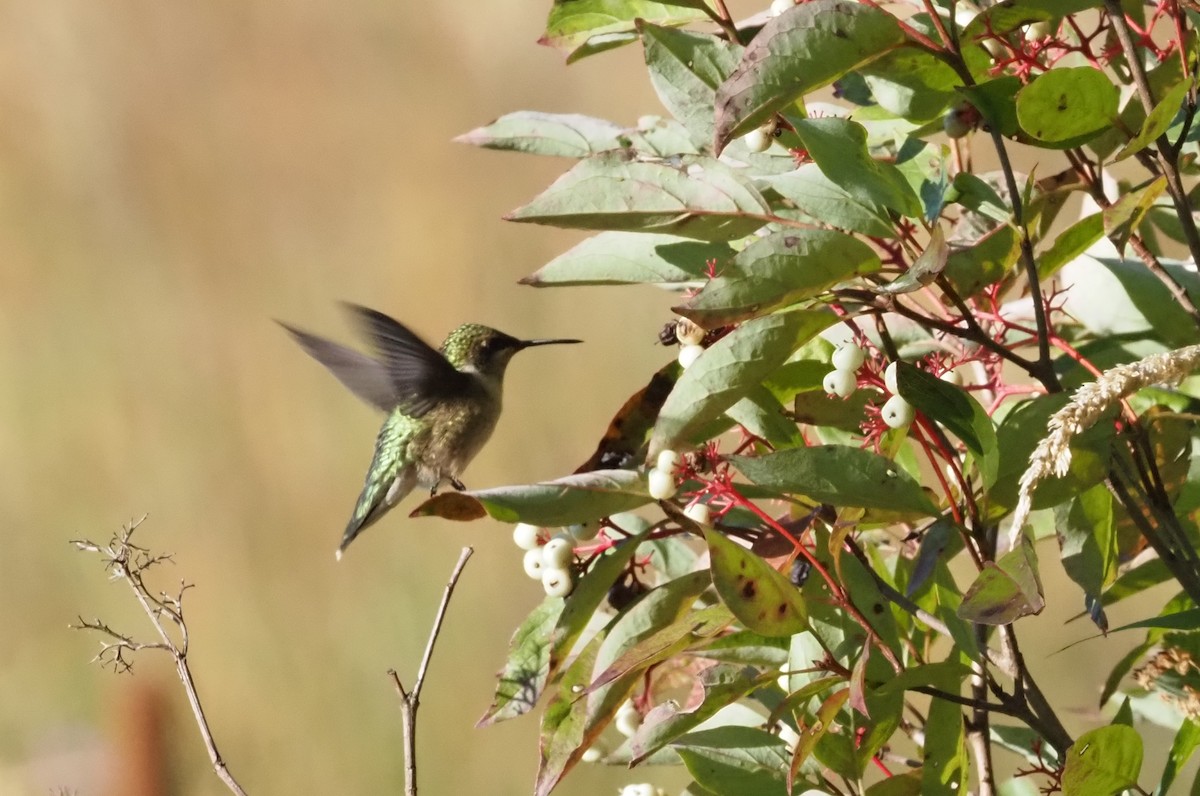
point(454, 482)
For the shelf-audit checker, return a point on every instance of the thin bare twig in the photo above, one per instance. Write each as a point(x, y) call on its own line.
point(127, 561)
point(410, 700)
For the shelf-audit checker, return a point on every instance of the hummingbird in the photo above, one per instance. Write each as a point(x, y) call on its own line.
point(441, 404)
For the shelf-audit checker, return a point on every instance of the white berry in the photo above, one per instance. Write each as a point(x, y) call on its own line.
point(534, 563)
point(841, 383)
point(956, 124)
point(953, 377)
point(757, 140)
point(584, 531)
point(591, 755)
point(688, 333)
point(628, 720)
point(849, 357)
point(689, 354)
point(668, 460)
point(559, 551)
point(556, 582)
point(698, 513)
point(660, 484)
point(642, 788)
point(528, 537)
point(779, 6)
point(897, 412)
point(889, 378)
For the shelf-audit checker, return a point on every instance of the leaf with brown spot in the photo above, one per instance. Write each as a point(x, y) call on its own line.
point(759, 596)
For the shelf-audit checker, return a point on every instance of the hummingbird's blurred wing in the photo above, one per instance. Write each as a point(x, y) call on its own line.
point(366, 377)
point(421, 377)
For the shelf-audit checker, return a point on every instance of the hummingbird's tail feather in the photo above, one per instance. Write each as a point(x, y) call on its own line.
point(389, 479)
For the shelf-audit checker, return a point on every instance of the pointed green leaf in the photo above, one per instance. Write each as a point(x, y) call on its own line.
point(527, 667)
point(823, 200)
point(1158, 122)
point(779, 270)
point(802, 49)
point(585, 27)
point(839, 475)
point(692, 196)
point(566, 135)
point(1187, 739)
point(955, 409)
point(811, 735)
point(730, 369)
point(761, 414)
point(685, 69)
point(1005, 590)
point(736, 761)
point(563, 501)
point(1103, 762)
point(839, 148)
point(1067, 105)
point(622, 258)
point(1087, 539)
point(984, 262)
point(1126, 214)
point(912, 83)
point(666, 643)
point(1070, 243)
point(946, 767)
point(760, 597)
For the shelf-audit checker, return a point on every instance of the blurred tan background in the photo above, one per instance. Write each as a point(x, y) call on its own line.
point(174, 176)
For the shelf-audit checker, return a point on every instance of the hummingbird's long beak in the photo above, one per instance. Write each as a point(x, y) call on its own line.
point(531, 343)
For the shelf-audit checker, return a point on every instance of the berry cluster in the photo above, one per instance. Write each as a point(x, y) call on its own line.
point(549, 558)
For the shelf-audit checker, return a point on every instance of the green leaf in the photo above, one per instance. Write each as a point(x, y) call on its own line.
point(585, 27)
point(839, 148)
point(622, 258)
point(839, 475)
point(1067, 105)
point(1009, 15)
point(1113, 297)
point(986, 261)
point(811, 735)
point(1126, 214)
point(995, 101)
point(563, 501)
point(912, 83)
point(1070, 243)
point(1103, 762)
point(1087, 539)
point(953, 408)
point(1020, 433)
point(685, 69)
point(735, 761)
point(761, 414)
point(729, 369)
point(777, 271)
point(665, 643)
point(760, 597)
point(1158, 122)
point(527, 666)
point(1005, 590)
point(1180, 620)
point(1185, 743)
point(802, 49)
point(945, 769)
point(566, 135)
point(692, 196)
point(722, 685)
point(824, 200)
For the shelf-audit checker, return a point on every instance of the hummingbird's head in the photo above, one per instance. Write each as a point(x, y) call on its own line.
point(485, 350)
